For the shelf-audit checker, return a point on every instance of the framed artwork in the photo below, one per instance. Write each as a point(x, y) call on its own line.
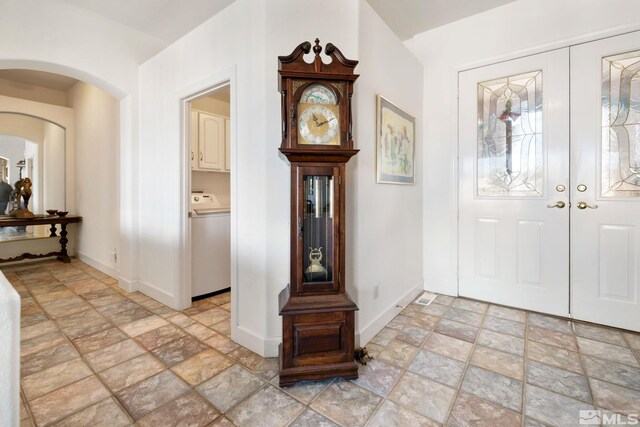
point(395, 144)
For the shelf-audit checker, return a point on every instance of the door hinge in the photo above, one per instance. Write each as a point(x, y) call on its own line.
point(339, 180)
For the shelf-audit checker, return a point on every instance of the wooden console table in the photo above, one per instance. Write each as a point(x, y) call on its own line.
point(52, 220)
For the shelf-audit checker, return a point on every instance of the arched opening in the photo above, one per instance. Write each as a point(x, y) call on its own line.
point(86, 163)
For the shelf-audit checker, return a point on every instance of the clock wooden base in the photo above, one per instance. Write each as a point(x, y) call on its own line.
point(318, 338)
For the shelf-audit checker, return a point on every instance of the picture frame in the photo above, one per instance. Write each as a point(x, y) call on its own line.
point(395, 144)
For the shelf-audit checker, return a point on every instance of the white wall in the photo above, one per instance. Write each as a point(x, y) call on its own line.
point(518, 28)
point(247, 37)
point(10, 354)
point(233, 39)
point(384, 221)
point(97, 127)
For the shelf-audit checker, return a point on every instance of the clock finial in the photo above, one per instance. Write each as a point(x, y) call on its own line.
point(317, 48)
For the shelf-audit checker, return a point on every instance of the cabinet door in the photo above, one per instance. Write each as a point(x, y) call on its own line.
point(193, 139)
point(227, 145)
point(211, 142)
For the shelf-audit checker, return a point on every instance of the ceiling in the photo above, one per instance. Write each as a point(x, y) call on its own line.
point(39, 78)
point(167, 20)
point(410, 17)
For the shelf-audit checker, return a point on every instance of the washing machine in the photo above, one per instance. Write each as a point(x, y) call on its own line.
point(210, 245)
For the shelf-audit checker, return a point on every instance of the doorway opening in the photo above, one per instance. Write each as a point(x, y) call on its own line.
point(208, 130)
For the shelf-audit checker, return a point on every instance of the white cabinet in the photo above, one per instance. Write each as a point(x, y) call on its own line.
point(193, 138)
point(210, 142)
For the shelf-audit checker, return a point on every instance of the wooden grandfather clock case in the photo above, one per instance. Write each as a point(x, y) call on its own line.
point(317, 314)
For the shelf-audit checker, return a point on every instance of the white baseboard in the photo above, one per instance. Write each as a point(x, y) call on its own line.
point(127, 285)
point(271, 346)
point(364, 335)
point(250, 340)
point(100, 266)
point(156, 293)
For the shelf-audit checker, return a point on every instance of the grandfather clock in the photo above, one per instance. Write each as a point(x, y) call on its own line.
point(317, 314)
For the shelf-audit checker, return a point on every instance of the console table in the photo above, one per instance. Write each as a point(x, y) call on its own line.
point(52, 220)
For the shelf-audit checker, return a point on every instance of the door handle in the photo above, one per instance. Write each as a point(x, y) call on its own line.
point(559, 204)
point(584, 205)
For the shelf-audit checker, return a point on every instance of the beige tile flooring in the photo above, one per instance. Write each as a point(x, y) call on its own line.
point(94, 355)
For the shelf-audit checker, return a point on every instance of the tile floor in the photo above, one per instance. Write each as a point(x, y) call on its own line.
point(94, 355)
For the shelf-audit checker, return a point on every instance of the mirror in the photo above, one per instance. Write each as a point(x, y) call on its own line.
point(35, 148)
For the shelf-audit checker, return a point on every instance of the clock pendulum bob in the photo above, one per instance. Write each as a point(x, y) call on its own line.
point(317, 314)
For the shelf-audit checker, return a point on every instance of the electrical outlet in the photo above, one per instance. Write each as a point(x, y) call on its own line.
point(376, 291)
point(114, 256)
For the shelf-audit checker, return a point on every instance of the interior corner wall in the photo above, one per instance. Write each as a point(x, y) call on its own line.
point(247, 36)
point(97, 126)
point(290, 23)
point(232, 39)
point(384, 221)
point(491, 36)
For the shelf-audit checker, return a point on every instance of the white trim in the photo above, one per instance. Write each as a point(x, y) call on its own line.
point(127, 285)
point(560, 44)
point(442, 286)
point(253, 341)
point(364, 335)
point(157, 294)
point(97, 264)
point(271, 346)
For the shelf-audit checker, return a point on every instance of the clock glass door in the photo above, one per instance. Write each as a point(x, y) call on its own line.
point(317, 229)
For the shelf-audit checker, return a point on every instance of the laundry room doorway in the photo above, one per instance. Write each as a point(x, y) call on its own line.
point(208, 261)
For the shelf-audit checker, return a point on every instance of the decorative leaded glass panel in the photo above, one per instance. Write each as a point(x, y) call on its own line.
point(510, 158)
point(620, 160)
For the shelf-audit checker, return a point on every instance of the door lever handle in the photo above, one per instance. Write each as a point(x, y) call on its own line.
point(559, 204)
point(584, 205)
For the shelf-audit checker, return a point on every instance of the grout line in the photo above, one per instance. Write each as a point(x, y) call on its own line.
point(267, 382)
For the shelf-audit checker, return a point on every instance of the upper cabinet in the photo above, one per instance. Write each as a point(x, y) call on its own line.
point(210, 142)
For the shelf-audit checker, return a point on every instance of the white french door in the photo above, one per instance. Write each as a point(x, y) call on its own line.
point(514, 155)
point(549, 219)
point(605, 147)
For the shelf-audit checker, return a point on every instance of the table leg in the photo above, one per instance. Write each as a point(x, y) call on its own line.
point(63, 244)
point(53, 231)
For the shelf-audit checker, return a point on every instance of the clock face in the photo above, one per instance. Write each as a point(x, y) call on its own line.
point(318, 124)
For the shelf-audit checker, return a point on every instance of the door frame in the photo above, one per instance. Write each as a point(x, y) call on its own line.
point(455, 111)
point(182, 288)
